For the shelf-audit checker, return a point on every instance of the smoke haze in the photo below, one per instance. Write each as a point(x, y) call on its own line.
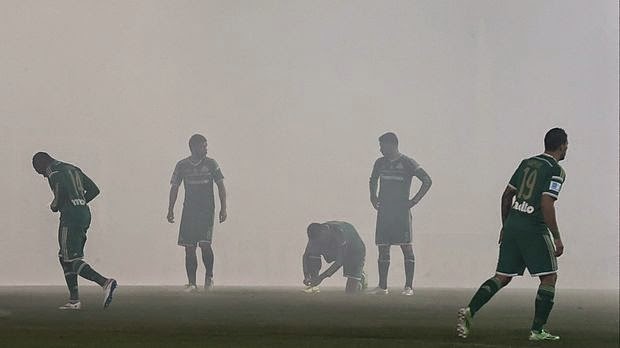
point(292, 96)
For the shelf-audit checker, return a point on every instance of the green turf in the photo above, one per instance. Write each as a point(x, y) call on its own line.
point(267, 317)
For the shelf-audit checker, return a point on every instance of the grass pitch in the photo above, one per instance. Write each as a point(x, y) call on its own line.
point(272, 317)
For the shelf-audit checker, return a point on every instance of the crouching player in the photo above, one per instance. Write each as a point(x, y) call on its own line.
point(339, 243)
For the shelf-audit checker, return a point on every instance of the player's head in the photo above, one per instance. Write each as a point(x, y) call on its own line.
point(556, 141)
point(41, 161)
point(316, 231)
point(198, 145)
point(388, 144)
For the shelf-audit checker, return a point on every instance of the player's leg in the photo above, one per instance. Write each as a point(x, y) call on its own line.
point(353, 286)
point(70, 275)
point(541, 262)
point(510, 264)
point(542, 309)
point(191, 265)
point(75, 242)
point(353, 270)
point(84, 270)
point(72, 284)
point(409, 260)
point(207, 259)
point(383, 242)
point(486, 291)
point(383, 263)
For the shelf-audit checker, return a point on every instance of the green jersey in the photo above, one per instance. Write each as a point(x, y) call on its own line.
point(341, 235)
point(394, 178)
point(72, 192)
point(536, 176)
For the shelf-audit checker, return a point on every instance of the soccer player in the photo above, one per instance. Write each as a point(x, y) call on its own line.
point(73, 190)
point(528, 216)
point(337, 242)
point(394, 172)
point(198, 173)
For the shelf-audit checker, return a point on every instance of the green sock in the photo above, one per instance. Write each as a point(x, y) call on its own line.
point(543, 305)
point(72, 281)
point(484, 294)
point(72, 284)
point(85, 271)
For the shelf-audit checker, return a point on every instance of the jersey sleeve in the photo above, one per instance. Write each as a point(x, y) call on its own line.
point(514, 179)
point(553, 184)
point(413, 166)
point(177, 177)
point(217, 172)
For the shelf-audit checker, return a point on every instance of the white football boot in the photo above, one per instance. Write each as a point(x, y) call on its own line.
point(108, 292)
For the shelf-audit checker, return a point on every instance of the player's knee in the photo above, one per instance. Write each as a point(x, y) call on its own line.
point(502, 279)
point(549, 279)
point(384, 254)
point(408, 255)
point(205, 247)
point(76, 266)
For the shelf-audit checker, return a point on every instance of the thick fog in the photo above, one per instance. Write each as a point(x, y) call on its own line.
point(292, 96)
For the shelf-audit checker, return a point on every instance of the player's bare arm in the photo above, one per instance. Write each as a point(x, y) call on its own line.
point(423, 176)
point(174, 192)
point(374, 184)
point(221, 190)
point(57, 199)
point(90, 187)
point(335, 266)
point(547, 205)
point(507, 198)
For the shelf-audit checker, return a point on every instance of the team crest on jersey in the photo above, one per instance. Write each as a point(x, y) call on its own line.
point(555, 186)
point(523, 207)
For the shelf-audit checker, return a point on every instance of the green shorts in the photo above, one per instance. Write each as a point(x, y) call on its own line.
point(393, 226)
point(196, 227)
point(534, 251)
point(353, 265)
point(71, 239)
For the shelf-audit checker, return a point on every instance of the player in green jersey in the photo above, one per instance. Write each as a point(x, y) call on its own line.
point(337, 242)
point(393, 174)
point(198, 173)
point(528, 216)
point(73, 190)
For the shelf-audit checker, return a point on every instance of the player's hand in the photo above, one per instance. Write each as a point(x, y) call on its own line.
point(53, 207)
point(559, 247)
point(170, 216)
point(375, 202)
point(223, 215)
point(412, 203)
point(501, 236)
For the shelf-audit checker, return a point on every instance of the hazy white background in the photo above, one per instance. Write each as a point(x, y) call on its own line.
point(292, 96)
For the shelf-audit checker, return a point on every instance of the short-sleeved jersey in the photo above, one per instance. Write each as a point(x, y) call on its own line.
point(341, 235)
point(73, 191)
point(394, 180)
point(536, 176)
point(198, 178)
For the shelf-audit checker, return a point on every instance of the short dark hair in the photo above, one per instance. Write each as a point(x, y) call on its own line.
point(555, 138)
point(314, 230)
point(40, 161)
point(389, 137)
point(196, 139)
